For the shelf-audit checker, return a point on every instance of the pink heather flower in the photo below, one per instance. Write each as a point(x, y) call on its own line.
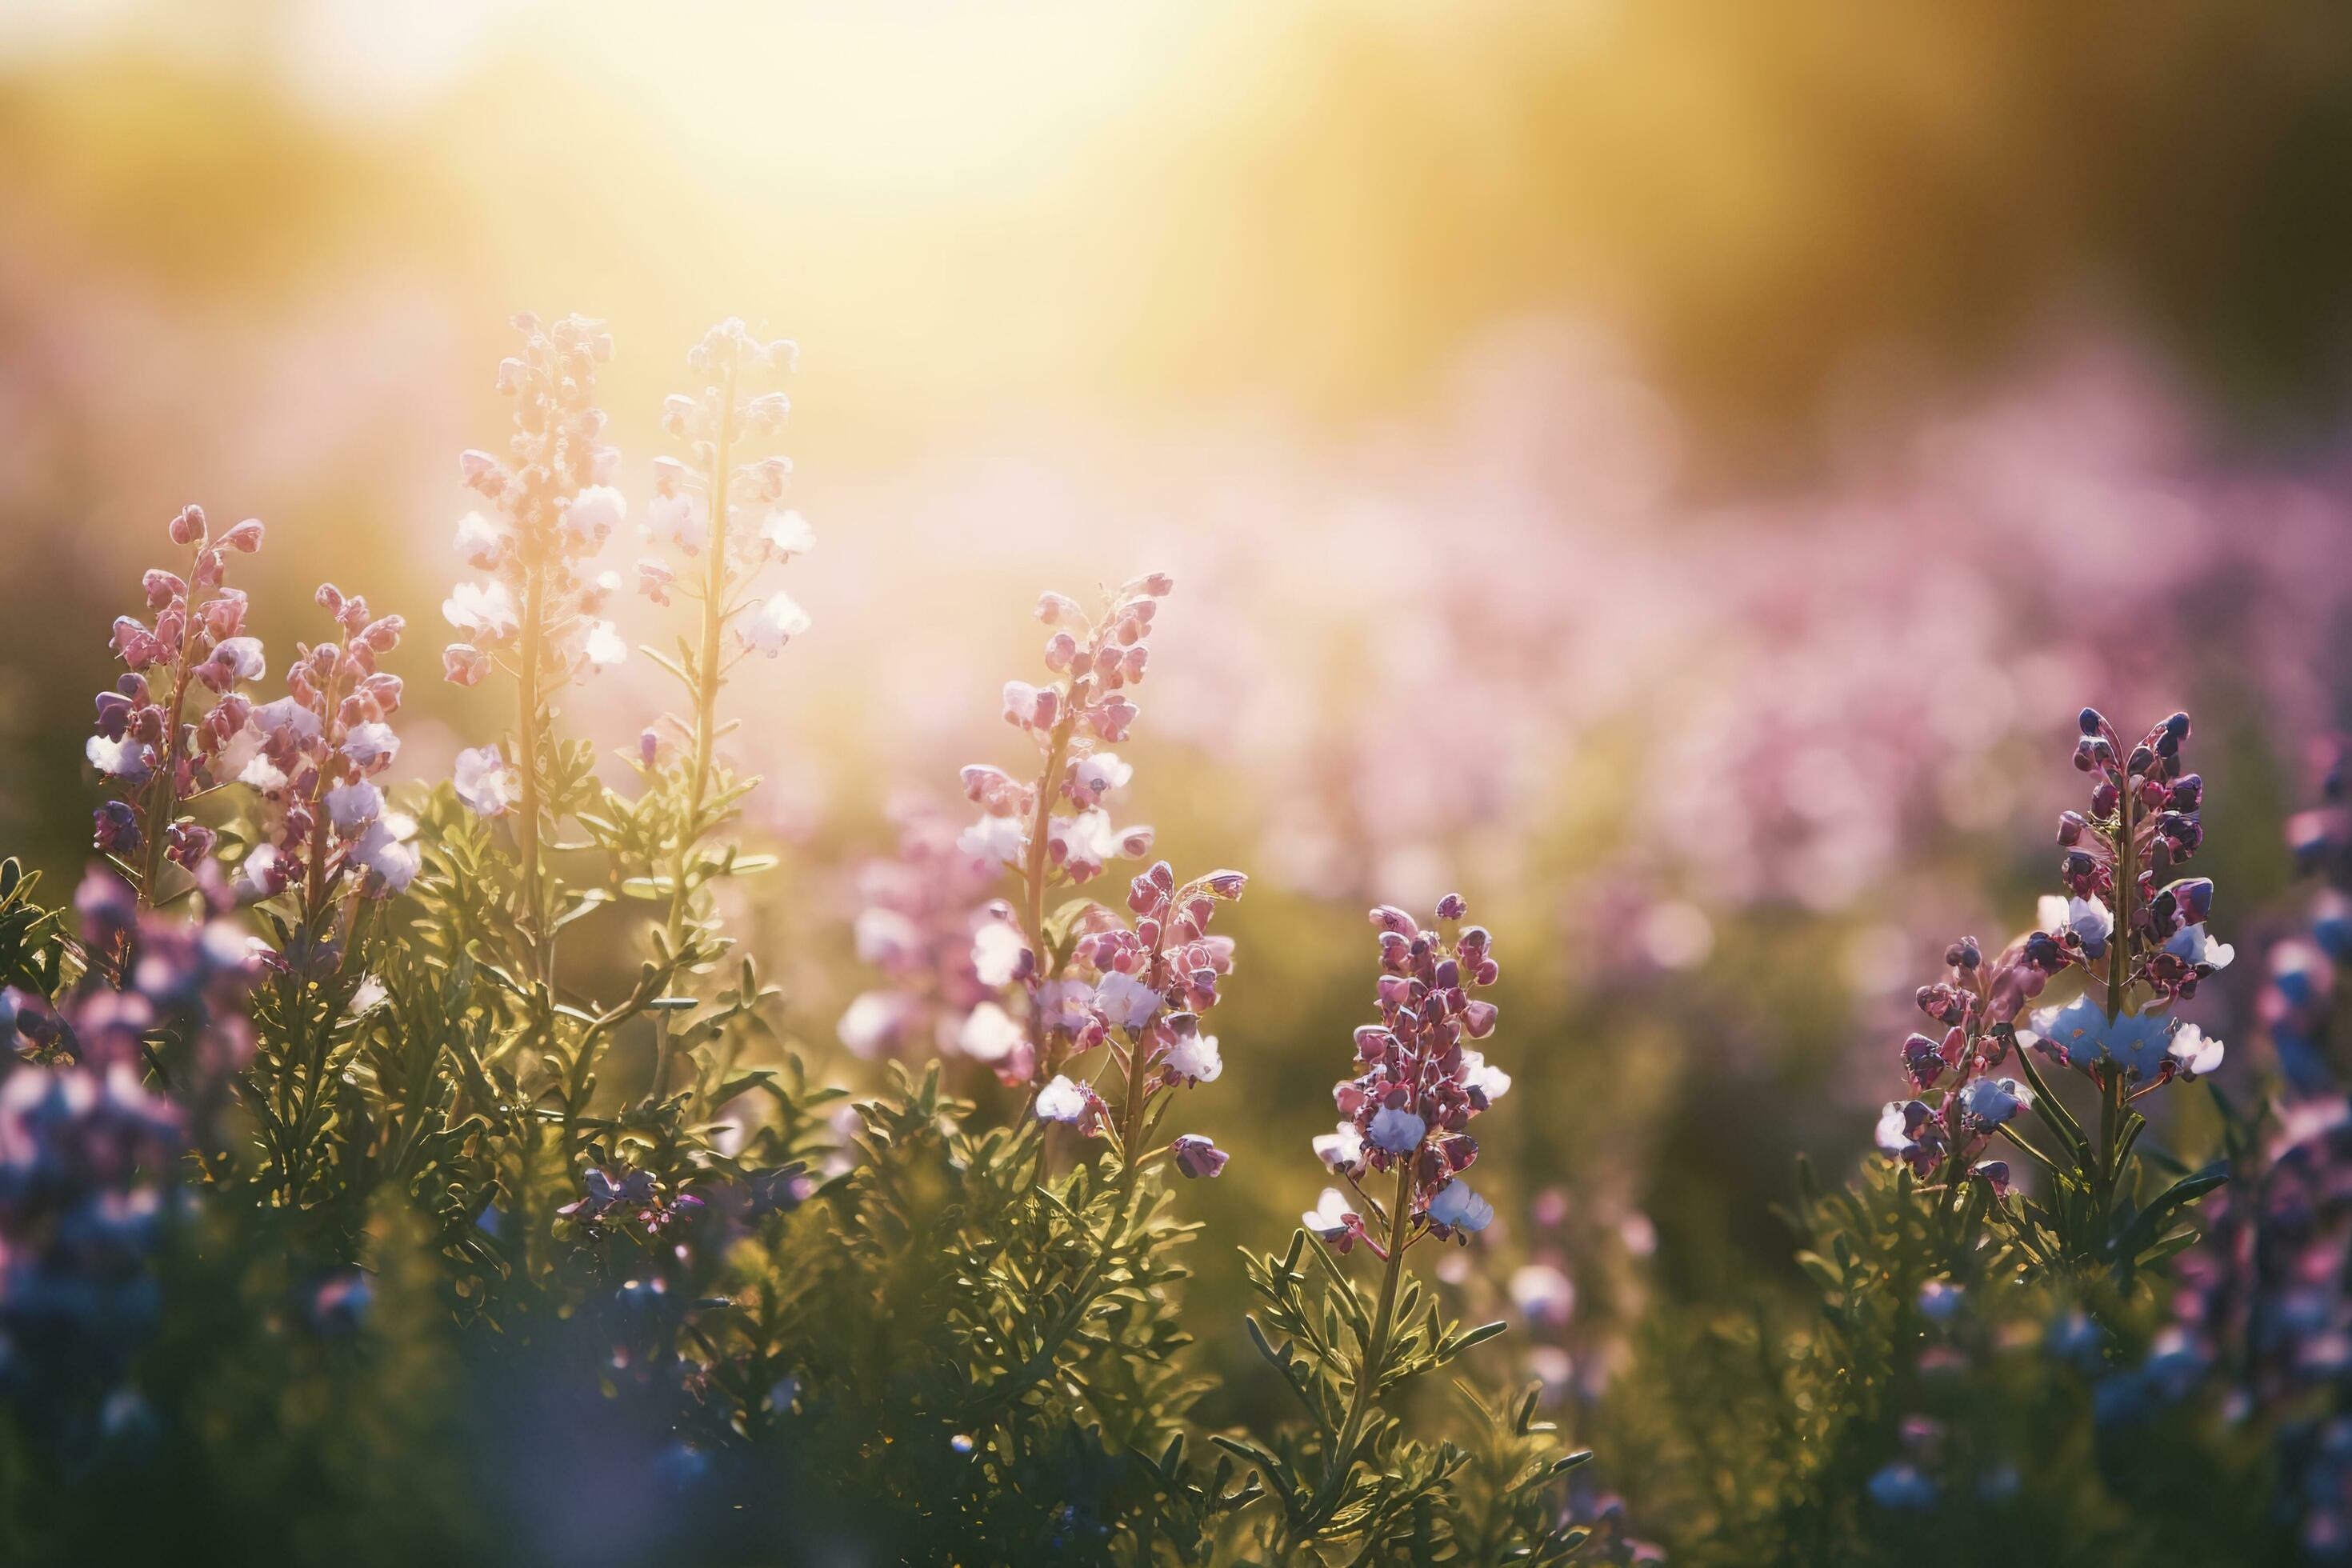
point(1197, 1156)
point(1420, 1087)
point(772, 623)
point(873, 1021)
point(464, 665)
point(153, 721)
point(485, 782)
point(654, 580)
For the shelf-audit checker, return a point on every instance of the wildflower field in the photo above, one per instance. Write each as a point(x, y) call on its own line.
point(1197, 785)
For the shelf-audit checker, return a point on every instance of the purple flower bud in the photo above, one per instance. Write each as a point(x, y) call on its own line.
point(1196, 1156)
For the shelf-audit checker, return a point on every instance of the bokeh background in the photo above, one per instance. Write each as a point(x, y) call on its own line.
point(1670, 469)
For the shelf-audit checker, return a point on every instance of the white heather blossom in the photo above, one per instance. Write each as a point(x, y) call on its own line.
point(1479, 1074)
point(678, 519)
point(485, 782)
point(1097, 775)
point(1342, 1149)
point(997, 950)
point(773, 622)
point(1456, 1207)
point(872, 1021)
point(595, 513)
point(1125, 1003)
point(886, 937)
point(1195, 1056)
point(2196, 1052)
point(262, 774)
point(480, 541)
point(787, 533)
point(990, 1035)
point(1000, 839)
point(1062, 1100)
point(484, 611)
point(128, 759)
point(601, 644)
point(1328, 1217)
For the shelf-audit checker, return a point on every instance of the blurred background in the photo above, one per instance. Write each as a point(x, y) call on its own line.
point(1671, 470)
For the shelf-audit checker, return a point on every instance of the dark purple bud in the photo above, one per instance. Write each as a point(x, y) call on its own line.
point(1196, 1156)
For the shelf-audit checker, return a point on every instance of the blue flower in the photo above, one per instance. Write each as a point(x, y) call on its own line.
point(1902, 1486)
point(2080, 1035)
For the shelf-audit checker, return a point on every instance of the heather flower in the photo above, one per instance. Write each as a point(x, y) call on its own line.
point(485, 782)
point(1197, 1156)
point(942, 948)
point(1456, 1208)
point(311, 757)
point(2140, 940)
point(147, 744)
point(1065, 1101)
point(713, 505)
point(1420, 1085)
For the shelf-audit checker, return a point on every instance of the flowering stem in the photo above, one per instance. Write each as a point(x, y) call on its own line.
point(534, 605)
point(162, 802)
point(1033, 898)
point(1376, 1348)
point(708, 679)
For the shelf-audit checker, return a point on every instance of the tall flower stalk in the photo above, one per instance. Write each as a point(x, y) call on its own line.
point(2141, 942)
point(1052, 827)
point(143, 745)
point(720, 510)
point(1401, 1146)
point(535, 616)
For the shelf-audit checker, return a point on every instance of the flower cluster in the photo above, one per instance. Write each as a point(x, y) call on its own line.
point(88, 1151)
point(927, 923)
point(553, 508)
point(145, 745)
point(314, 757)
point(720, 506)
point(2142, 945)
point(1419, 1085)
point(2138, 932)
point(1055, 826)
point(1152, 983)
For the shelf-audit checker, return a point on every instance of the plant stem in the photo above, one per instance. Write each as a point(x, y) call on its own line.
point(1376, 1347)
point(708, 679)
point(527, 740)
